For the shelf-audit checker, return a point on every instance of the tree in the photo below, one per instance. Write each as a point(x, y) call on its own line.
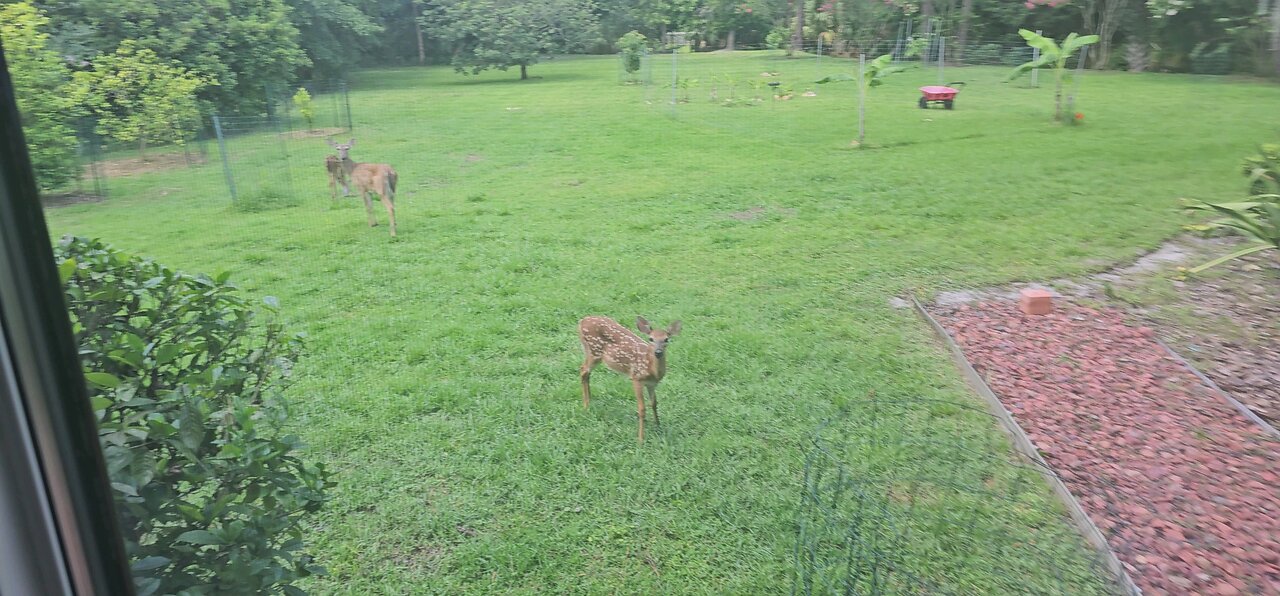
point(242, 45)
point(140, 98)
point(1051, 54)
point(870, 74)
point(334, 34)
point(797, 36)
point(962, 39)
point(632, 46)
point(39, 81)
point(505, 33)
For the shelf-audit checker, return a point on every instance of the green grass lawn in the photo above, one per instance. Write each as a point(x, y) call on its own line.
point(441, 374)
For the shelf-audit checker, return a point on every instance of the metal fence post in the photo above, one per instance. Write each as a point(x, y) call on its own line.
point(1035, 55)
point(226, 162)
point(346, 101)
point(942, 58)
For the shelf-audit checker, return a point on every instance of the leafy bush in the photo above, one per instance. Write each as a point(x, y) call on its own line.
point(1257, 218)
point(302, 100)
point(632, 46)
point(987, 53)
point(778, 38)
point(138, 97)
point(185, 380)
point(1214, 62)
point(1263, 170)
point(39, 86)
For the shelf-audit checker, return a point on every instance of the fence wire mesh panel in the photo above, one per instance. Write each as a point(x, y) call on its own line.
point(311, 109)
point(635, 68)
point(907, 496)
point(810, 99)
point(85, 179)
point(255, 161)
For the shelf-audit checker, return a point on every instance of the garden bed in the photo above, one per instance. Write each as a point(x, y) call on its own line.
point(1183, 484)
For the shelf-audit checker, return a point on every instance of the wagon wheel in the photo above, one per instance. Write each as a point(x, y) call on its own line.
point(924, 103)
point(947, 103)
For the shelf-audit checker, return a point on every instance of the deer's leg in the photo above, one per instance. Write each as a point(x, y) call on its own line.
point(653, 401)
point(333, 188)
point(391, 211)
point(368, 208)
point(585, 374)
point(639, 387)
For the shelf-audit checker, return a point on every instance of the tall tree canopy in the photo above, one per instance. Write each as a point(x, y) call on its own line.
point(505, 33)
point(39, 80)
point(241, 45)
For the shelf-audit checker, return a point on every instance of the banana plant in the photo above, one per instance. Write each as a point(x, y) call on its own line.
point(1051, 54)
point(871, 74)
point(1259, 220)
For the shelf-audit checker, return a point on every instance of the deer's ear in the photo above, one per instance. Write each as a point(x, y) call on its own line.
point(643, 325)
point(351, 144)
point(673, 328)
point(331, 143)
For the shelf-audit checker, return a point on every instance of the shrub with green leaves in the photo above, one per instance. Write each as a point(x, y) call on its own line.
point(1258, 218)
point(1263, 170)
point(302, 100)
point(632, 45)
point(185, 378)
point(39, 86)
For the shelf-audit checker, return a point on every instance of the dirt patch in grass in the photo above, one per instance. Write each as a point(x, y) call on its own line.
point(760, 212)
point(318, 133)
point(133, 166)
point(423, 556)
point(55, 200)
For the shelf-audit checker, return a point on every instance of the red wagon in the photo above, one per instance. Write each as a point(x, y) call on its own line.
point(939, 94)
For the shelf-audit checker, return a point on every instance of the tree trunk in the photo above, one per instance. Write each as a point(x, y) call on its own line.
point(729, 44)
point(926, 29)
point(1057, 92)
point(797, 36)
point(1275, 34)
point(962, 41)
point(1108, 21)
point(417, 27)
point(524, 72)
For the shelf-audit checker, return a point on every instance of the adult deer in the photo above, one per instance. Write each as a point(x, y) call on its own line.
point(645, 363)
point(377, 178)
point(336, 177)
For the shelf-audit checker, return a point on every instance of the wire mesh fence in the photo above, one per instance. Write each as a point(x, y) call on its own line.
point(775, 94)
point(313, 108)
point(902, 496)
point(255, 161)
point(88, 182)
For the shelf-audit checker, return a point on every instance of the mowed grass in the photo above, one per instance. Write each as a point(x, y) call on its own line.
point(441, 376)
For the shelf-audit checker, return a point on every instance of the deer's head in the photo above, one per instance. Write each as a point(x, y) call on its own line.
point(341, 148)
point(659, 337)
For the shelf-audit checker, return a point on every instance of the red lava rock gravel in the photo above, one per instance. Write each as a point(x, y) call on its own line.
point(1183, 485)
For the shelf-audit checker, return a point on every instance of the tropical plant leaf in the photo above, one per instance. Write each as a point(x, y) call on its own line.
point(1035, 40)
point(836, 78)
point(1071, 44)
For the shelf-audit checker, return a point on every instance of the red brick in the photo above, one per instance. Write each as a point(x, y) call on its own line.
point(1036, 302)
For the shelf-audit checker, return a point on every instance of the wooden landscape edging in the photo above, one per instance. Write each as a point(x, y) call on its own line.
point(1023, 444)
